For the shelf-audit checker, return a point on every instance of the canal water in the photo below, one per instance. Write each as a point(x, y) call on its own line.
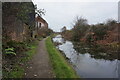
point(86, 66)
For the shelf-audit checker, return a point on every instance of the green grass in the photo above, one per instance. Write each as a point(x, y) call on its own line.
point(53, 35)
point(18, 70)
point(32, 50)
point(60, 66)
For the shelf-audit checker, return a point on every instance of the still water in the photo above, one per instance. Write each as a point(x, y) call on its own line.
point(86, 66)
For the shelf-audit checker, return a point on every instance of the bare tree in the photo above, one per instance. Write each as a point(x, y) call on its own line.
point(80, 21)
point(39, 12)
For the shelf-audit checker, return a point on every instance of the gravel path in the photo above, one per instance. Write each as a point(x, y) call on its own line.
point(39, 66)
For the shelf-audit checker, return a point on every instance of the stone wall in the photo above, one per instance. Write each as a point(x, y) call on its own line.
point(18, 21)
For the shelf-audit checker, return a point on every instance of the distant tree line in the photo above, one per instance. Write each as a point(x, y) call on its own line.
point(83, 31)
point(95, 39)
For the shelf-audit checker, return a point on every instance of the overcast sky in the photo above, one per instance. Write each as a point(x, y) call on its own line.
point(60, 13)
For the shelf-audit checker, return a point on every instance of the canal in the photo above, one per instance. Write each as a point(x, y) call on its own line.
point(85, 65)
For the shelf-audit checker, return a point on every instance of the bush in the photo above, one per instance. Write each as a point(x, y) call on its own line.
point(13, 47)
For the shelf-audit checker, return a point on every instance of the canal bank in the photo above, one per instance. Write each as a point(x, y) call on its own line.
point(85, 65)
point(61, 67)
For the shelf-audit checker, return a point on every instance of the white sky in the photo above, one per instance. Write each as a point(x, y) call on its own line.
point(61, 13)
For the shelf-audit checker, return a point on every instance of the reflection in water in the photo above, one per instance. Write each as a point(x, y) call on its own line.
point(59, 39)
point(85, 65)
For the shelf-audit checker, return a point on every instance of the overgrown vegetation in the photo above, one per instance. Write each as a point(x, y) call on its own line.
point(98, 39)
point(14, 64)
point(24, 11)
point(44, 32)
point(10, 51)
point(19, 41)
point(18, 22)
point(60, 67)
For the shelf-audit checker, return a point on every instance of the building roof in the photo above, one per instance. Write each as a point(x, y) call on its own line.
point(40, 19)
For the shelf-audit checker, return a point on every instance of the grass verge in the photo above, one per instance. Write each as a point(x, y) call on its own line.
point(32, 50)
point(60, 66)
point(17, 70)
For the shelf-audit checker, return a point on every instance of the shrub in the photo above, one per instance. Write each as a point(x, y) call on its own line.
point(13, 47)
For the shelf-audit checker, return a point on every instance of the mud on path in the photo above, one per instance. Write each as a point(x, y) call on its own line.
point(39, 66)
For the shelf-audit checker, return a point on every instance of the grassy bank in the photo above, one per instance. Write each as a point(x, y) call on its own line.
point(60, 66)
point(18, 62)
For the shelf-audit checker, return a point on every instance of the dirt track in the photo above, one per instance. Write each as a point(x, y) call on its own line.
point(39, 66)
